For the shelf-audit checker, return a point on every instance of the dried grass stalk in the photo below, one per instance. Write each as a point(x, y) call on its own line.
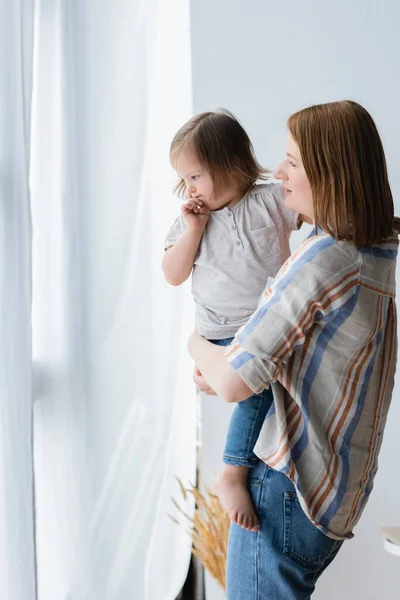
point(209, 528)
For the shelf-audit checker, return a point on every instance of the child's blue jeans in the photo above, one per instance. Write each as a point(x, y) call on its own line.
point(245, 425)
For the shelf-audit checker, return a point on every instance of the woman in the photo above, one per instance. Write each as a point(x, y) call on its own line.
point(324, 334)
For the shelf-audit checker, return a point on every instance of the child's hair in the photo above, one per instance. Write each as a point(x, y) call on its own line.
point(344, 161)
point(223, 149)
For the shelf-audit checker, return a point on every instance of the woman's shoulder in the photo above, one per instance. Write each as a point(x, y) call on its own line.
point(322, 250)
point(320, 263)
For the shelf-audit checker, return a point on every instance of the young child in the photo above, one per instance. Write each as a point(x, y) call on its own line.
point(231, 236)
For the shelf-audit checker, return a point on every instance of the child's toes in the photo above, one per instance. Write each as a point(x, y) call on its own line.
point(245, 522)
point(235, 517)
point(254, 524)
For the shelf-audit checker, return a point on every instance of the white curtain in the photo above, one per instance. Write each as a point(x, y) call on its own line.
point(17, 555)
point(114, 407)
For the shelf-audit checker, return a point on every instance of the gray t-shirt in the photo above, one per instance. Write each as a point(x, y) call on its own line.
point(241, 247)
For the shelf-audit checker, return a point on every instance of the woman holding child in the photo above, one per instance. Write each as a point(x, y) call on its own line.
point(324, 340)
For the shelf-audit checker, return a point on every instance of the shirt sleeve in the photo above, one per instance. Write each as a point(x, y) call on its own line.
point(174, 233)
point(310, 288)
point(289, 217)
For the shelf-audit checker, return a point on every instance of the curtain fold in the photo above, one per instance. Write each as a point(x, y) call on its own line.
point(17, 548)
point(114, 411)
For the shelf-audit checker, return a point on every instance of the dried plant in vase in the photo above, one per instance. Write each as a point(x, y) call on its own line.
point(208, 528)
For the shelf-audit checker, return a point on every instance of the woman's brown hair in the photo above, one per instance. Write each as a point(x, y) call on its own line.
point(223, 149)
point(344, 161)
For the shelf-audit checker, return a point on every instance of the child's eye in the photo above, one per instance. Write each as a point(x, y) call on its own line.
point(195, 177)
point(292, 163)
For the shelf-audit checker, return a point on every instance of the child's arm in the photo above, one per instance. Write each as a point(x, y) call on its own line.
point(178, 259)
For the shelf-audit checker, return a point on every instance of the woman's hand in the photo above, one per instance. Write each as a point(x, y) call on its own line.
point(193, 341)
point(214, 375)
point(198, 378)
point(202, 383)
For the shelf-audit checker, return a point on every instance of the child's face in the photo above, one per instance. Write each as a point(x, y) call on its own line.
point(199, 183)
point(295, 182)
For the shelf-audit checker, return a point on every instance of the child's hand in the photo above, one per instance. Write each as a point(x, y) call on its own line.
point(195, 215)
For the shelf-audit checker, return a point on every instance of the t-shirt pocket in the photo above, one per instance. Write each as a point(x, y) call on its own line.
point(265, 241)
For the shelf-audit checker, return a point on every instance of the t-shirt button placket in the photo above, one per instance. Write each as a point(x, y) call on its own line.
point(238, 243)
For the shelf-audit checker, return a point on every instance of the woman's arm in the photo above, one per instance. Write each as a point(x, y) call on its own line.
point(216, 370)
point(313, 285)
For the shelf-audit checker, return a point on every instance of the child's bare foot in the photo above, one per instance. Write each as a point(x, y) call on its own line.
point(231, 488)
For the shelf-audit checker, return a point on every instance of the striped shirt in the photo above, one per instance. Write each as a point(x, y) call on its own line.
point(325, 333)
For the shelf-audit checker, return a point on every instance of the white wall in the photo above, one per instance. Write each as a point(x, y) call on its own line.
point(264, 60)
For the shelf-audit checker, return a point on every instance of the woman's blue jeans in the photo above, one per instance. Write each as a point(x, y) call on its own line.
point(284, 559)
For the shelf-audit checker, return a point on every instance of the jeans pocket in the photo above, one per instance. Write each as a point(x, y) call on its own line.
point(304, 542)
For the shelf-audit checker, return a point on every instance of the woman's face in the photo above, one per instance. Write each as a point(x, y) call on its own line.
point(294, 180)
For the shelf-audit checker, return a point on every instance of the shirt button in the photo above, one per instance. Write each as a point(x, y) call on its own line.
point(238, 243)
point(233, 226)
point(229, 214)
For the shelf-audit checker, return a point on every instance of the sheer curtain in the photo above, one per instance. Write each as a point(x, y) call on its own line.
point(17, 555)
point(114, 406)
